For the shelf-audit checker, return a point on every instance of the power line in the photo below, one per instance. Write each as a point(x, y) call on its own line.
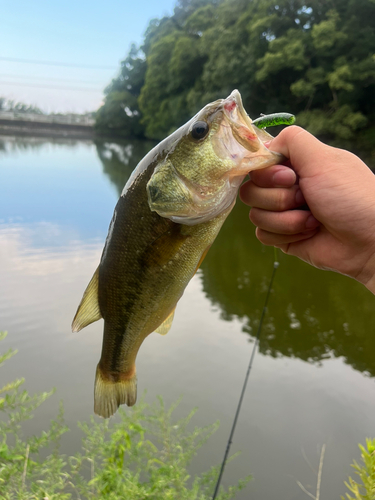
point(55, 63)
point(52, 87)
point(46, 78)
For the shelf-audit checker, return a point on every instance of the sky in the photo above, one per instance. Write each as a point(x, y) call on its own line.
point(95, 34)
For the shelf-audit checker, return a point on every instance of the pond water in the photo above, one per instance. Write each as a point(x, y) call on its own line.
point(312, 381)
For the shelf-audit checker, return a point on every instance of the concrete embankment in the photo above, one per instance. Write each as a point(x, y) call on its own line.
point(47, 126)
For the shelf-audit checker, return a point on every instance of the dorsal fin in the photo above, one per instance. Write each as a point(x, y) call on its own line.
point(88, 310)
point(164, 328)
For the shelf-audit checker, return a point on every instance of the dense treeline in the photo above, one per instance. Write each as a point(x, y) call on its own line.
point(314, 58)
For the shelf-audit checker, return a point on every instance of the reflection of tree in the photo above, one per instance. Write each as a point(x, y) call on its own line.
point(312, 314)
point(120, 159)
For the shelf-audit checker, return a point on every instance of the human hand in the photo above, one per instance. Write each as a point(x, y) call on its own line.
point(338, 230)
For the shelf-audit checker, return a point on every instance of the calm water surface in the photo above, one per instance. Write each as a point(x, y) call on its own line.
point(313, 377)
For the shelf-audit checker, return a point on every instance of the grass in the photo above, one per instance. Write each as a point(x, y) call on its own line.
point(144, 455)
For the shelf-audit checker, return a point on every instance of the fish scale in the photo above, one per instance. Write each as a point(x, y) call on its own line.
point(166, 219)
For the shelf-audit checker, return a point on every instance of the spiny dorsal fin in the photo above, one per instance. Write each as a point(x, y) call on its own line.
point(88, 310)
point(164, 328)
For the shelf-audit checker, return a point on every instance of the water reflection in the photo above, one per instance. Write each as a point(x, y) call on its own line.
point(55, 206)
point(11, 144)
point(120, 159)
point(314, 315)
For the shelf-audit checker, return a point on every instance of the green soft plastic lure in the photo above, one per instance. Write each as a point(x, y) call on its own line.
point(274, 119)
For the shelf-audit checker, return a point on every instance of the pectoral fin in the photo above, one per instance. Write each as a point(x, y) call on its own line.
point(88, 310)
point(164, 328)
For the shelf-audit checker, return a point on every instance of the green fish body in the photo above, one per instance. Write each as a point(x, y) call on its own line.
point(166, 219)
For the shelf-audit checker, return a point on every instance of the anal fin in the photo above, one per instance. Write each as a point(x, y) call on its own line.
point(88, 310)
point(164, 328)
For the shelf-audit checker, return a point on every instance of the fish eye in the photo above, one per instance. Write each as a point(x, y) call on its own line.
point(200, 130)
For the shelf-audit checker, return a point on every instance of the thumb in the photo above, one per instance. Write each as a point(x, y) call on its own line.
point(300, 147)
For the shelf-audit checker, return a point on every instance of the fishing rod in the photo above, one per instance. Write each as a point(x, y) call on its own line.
point(264, 310)
point(262, 122)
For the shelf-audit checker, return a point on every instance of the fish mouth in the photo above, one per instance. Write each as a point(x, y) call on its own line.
point(250, 151)
point(233, 107)
point(240, 122)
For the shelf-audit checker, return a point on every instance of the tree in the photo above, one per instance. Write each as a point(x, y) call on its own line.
point(120, 113)
point(314, 58)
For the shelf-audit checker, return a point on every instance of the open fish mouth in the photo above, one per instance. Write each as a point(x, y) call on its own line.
point(242, 141)
point(230, 147)
point(240, 122)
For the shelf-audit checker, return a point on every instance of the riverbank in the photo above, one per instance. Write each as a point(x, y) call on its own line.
point(43, 129)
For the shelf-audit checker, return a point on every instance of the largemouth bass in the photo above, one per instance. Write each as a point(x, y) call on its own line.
point(168, 215)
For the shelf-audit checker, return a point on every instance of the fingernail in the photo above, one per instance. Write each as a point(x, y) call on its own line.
point(311, 222)
point(299, 198)
point(284, 178)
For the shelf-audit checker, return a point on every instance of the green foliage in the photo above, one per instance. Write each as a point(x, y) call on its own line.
point(297, 56)
point(326, 33)
point(115, 118)
point(341, 123)
point(145, 455)
point(119, 115)
point(23, 474)
point(18, 107)
point(366, 473)
point(284, 52)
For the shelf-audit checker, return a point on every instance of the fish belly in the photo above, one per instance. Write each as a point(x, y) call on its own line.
point(146, 264)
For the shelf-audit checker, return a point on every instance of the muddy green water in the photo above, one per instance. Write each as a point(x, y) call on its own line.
point(313, 376)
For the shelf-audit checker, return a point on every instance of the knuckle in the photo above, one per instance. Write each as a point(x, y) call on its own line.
point(297, 222)
point(282, 200)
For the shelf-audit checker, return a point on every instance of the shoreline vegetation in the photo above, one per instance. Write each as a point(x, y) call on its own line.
point(144, 455)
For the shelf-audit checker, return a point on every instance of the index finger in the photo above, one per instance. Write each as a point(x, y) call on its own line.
point(275, 176)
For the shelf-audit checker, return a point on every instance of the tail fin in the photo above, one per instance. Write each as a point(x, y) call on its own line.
point(110, 394)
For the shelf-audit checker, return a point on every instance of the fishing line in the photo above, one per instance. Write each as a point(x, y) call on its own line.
point(275, 266)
